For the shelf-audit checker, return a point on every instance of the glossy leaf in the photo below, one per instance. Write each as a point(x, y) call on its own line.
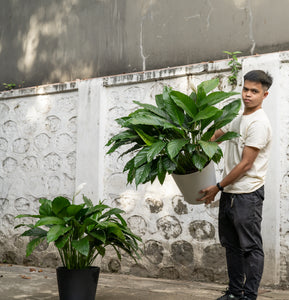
point(209, 148)
point(141, 157)
point(209, 85)
point(185, 102)
point(207, 113)
point(153, 109)
point(199, 160)
point(217, 97)
point(59, 203)
point(56, 231)
point(154, 150)
point(50, 221)
point(149, 140)
point(82, 246)
point(175, 146)
point(33, 244)
point(227, 136)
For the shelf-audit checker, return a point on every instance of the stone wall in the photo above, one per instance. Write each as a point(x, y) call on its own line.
point(53, 138)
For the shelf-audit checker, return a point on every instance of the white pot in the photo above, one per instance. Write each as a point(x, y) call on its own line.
point(191, 184)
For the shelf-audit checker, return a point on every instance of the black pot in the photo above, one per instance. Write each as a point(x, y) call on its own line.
point(77, 284)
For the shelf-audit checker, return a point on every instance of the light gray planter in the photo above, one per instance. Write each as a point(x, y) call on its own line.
point(191, 184)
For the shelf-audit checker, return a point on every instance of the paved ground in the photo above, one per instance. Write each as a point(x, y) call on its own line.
point(30, 283)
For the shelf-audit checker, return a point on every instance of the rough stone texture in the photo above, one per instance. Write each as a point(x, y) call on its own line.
point(114, 265)
point(183, 253)
point(153, 251)
point(36, 146)
point(202, 230)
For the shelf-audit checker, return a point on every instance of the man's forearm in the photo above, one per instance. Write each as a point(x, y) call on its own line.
point(235, 173)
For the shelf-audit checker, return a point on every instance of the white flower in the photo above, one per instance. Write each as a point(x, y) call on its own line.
point(79, 189)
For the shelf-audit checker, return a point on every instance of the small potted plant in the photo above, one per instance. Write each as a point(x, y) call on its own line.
point(80, 233)
point(174, 137)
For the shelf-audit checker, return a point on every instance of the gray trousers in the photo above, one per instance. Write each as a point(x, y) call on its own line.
point(240, 217)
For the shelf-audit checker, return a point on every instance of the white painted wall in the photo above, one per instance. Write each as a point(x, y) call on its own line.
point(53, 137)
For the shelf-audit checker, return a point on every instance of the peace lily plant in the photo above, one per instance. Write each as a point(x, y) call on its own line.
point(174, 136)
point(80, 232)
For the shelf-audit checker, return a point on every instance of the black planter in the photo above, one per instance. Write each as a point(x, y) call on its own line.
point(77, 284)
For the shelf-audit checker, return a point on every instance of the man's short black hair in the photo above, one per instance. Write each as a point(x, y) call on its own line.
point(259, 76)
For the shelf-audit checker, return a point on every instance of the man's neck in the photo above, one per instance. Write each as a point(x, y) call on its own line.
point(249, 111)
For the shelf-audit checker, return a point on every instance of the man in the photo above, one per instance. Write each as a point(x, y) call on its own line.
point(242, 186)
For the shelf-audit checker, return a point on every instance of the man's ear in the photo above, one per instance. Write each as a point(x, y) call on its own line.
point(265, 94)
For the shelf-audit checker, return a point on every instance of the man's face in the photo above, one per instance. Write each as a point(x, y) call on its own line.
point(253, 95)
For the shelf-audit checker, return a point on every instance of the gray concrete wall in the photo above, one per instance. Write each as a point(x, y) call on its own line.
point(55, 41)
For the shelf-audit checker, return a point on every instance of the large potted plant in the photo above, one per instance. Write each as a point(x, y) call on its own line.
point(174, 137)
point(80, 233)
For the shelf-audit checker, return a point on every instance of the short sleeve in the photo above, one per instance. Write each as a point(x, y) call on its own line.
point(258, 135)
point(226, 128)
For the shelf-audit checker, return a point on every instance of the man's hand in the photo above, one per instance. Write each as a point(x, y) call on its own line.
point(210, 194)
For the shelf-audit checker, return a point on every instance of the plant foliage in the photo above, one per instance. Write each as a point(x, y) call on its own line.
point(80, 232)
point(175, 135)
point(235, 66)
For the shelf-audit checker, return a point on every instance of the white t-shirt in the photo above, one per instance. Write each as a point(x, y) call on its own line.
point(255, 131)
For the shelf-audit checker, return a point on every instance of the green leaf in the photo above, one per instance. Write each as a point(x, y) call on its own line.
point(141, 157)
point(35, 232)
point(27, 216)
point(208, 135)
point(154, 150)
point(87, 201)
point(56, 231)
point(124, 135)
point(199, 160)
point(82, 246)
point(210, 148)
point(160, 101)
point(153, 109)
point(149, 140)
point(178, 131)
point(73, 209)
point(176, 114)
point(217, 97)
point(45, 207)
point(185, 102)
point(218, 155)
point(230, 111)
point(147, 118)
point(99, 235)
point(169, 165)
point(59, 203)
point(175, 146)
point(33, 244)
point(227, 136)
point(115, 229)
point(206, 113)
point(49, 221)
point(62, 241)
point(161, 171)
point(112, 211)
point(142, 173)
point(209, 85)
point(132, 149)
point(129, 165)
point(201, 94)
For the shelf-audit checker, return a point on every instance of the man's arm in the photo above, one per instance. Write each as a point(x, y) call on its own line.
point(218, 133)
point(248, 157)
